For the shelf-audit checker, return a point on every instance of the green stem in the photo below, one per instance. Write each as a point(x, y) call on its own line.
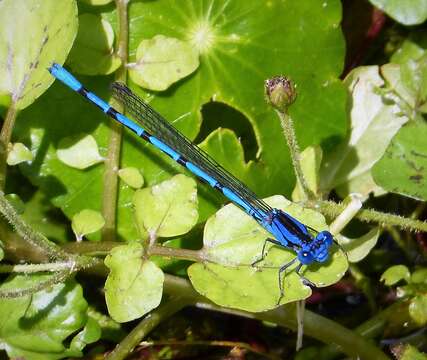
point(372, 328)
point(5, 136)
point(165, 310)
point(90, 248)
point(315, 326)
point(291, 139)
point(111, 181)
point(79, 263)
point(32, 237)
point(332, 210)
point(54, 279)
point(32, 268)
point(210, 343)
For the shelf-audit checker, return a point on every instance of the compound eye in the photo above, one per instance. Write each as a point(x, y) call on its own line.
point(305, 257)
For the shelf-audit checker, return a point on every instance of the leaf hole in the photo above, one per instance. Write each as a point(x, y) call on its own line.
point(219, 115)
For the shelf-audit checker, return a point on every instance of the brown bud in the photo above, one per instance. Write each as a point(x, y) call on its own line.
point(280, 92)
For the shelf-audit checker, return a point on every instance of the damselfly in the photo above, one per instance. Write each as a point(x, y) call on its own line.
point(309, 245)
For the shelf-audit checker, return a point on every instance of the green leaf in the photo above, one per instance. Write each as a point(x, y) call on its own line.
point(95, 41)
point(419, 276)
point(394, 274)
point(246, 51)
point(411, 353)
point(18, 154)
point(132, 177)
point(233, 241)
point(418, 309)
point(79, 151)
point(16, 202)
point(33, 33)
point(412, 48)
point(96, 2)
point(373, 125)
point(357, 249)
point(134, 286)
point(37, 326)
point(167, 209)
point(90, 334)
point(407, 12)
point(1, 251)
point(407, 153)
point(162, 61)
point(310, 159)
point(86, 222)
point(42, 216)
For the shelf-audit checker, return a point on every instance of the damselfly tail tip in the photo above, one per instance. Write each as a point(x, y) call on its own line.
point(53, 68)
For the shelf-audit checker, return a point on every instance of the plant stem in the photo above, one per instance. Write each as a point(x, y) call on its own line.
point(165, 310)
point(90, 248)
point(32, 237)
point(316, 326)
point(371, 328)
point(210, 343)
point(54, 279)
point(5, 136)
point(352, 207)
point(32, 268)
point(300, 308)
point(289, 132)
point(332, 210)
point(111, 181)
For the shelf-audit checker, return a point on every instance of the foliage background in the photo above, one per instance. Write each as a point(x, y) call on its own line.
point(361, 73)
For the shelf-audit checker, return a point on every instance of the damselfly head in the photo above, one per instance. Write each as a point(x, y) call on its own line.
point(317, 250)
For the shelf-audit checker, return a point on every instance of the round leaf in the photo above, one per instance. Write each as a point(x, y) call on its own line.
point(411, 353)
point(33, 33)
point(18, 154)
point(233, 241)
point(418, 309)
point(86, 222)
point(134, 286)
point(419, 276)
point(96, 2)
point(132, 177)
point(394, 274)
point(407, 12)
point(167, 209)
point(79, 151)
point(95, 41)
point(162, 61)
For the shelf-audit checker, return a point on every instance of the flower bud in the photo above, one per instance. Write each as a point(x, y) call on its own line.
point(280, 92)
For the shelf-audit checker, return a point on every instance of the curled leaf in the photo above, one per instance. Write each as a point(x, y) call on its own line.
point(394, 274)
point(18, 154)
point(357, 249)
